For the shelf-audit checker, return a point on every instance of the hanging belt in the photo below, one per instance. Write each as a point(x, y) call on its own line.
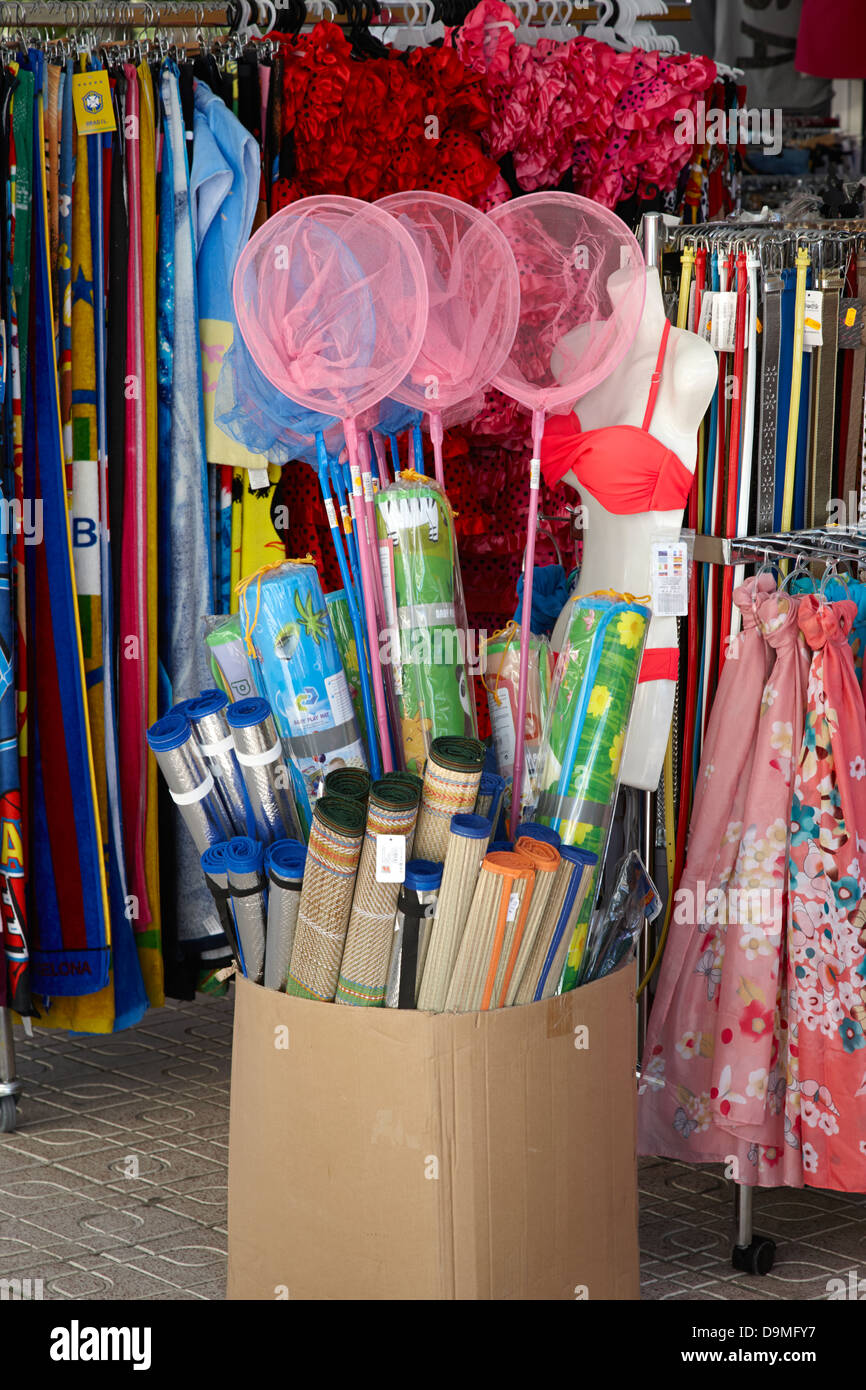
point(853, 438)
point(772, 337)
point(796, 383)
point(824, 401)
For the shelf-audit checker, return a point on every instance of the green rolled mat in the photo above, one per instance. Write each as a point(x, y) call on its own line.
point(341, 622)
point(590, 705)
point(391, 810)
point(353, 782)
point(451, 780)
point(333, 852)
point(425, 614)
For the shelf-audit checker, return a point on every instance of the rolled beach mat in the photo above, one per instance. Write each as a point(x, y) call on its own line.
point(284, 867)
point(416, 907)
point(409, 779)
point(333, 852)
point(546, 964)
point(266, 777)
point(496, 918)
point(353, 782)
point(391, 811)
point(534, 830)
point(207, 715)
point(451, 779)
point(501, 680)
point(426, 616)
point(341, 622)
point(489, 801)
point(545, 860)
point(215, 869)
point(190, 783)
point(467, 841)
point(285, 618)
point(245, 862)
point(591, 698)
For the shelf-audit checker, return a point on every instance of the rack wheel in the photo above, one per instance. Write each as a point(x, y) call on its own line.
point(755, 1258)
point(8, 1115)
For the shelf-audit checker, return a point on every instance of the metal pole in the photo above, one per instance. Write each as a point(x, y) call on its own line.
point(743, 1208)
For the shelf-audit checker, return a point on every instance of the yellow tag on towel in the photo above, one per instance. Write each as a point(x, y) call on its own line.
point(91, 101)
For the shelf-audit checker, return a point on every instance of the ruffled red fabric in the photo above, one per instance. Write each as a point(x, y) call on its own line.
point(611, 117)
point(366, 129)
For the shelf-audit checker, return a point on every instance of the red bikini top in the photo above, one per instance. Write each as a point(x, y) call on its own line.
point(624, 467)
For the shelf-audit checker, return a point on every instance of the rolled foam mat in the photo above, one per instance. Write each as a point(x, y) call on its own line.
point(245, 862)
point(284, 866)
point(207, 716)
point(189, 782)
point(416, 907)
point(266, 777)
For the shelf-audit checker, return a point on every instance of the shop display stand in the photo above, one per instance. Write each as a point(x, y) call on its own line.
point(753, 1253)
point(9, 1087)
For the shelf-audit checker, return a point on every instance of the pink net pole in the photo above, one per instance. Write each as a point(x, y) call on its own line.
point(370, 527)
point(367, 583)
point(437, 435)
point(538, 417)
point(381, 458)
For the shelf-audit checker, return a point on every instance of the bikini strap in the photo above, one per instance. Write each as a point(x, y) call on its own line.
point(656, 377)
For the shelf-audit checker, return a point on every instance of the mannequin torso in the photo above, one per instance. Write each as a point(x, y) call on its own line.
point(617, 548)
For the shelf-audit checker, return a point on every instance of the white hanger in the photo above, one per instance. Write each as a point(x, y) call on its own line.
point(432, 29)
point(402, 36)
point(525, 11)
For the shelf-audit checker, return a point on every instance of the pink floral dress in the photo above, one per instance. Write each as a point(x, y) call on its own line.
point(709, 1083)
point(826, 1090)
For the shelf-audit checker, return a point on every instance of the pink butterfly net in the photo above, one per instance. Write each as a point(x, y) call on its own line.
point(474, 306)
point(582, 291)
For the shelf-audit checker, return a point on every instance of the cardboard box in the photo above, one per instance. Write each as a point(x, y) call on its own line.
point(386, 1154)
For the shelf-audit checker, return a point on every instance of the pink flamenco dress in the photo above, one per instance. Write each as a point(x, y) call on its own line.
point(827, 912)
point(717, 1037)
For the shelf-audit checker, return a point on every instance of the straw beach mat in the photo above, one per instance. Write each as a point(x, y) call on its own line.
point(326, 898)
point(467, 841)
point(353, 782)
point(543, 971)
point(491, 794)
point(545, 860)
point(497, 915)
point(451, 780)
point(245, 862)
point(284, 866)
point(391, 810)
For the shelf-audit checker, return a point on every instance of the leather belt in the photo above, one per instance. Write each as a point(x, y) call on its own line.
point(772, 337)
point(853, 438)
point(824, 401)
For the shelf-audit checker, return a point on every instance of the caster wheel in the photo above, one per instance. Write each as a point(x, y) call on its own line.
point(756, 1258)
point(8, 1115)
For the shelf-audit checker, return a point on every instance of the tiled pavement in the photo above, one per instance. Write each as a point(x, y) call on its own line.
point(114, 1185)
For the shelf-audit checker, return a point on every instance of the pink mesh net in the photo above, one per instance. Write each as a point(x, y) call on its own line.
point(474, 299)
point(331, 300)
point(582, 288)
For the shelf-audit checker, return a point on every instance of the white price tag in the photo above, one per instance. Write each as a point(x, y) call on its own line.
point(331, 513)
point(669, 579)
point(705, 322)
point(390, 858)
point(724, 330)
point(513, 905)
point(814, 320)
point(534, 473)
point(259, 478)
point(368, 487)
